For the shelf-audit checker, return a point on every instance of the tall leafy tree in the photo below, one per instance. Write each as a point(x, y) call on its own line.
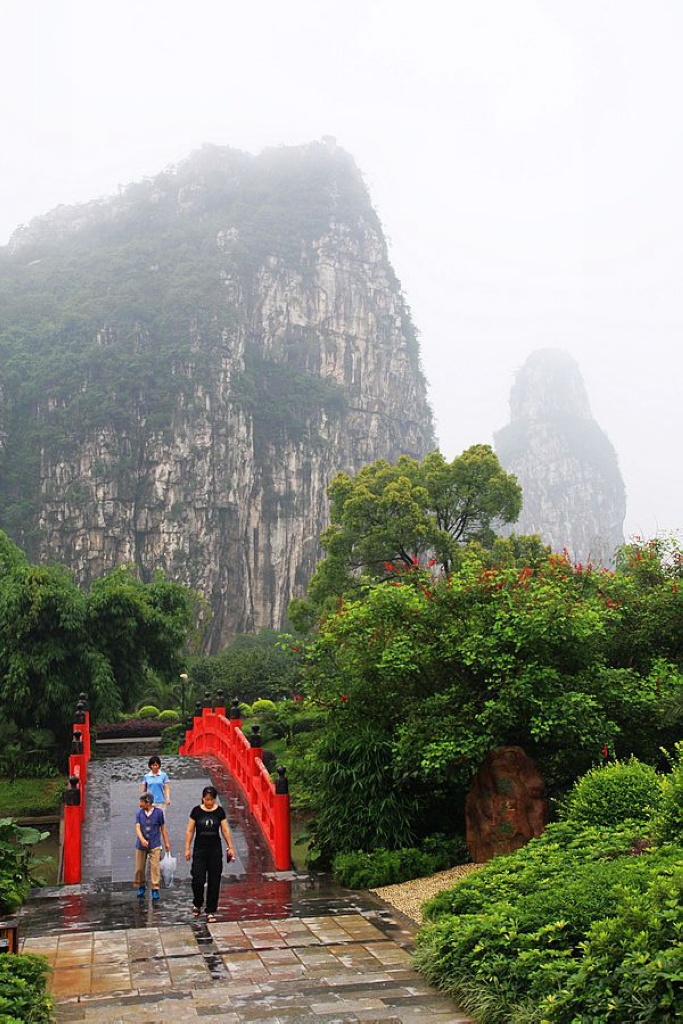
point(56, 641)
point(390, 517)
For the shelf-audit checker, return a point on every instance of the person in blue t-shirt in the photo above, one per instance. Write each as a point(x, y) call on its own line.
point(156, 782)
point(150, 829)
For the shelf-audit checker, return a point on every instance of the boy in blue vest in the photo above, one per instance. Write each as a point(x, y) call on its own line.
point(150, 829)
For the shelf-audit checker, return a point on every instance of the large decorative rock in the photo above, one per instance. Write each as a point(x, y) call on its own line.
point(506, 806)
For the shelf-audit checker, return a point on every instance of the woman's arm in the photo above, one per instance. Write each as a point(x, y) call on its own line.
point(188, 838)
point(167, 793)
point(225, 829)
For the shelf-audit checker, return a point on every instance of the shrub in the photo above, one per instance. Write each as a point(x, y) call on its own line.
point(612, 794)
point(668, 822)
point(16, 854)
point(169, 716)
point(573, 928)
point(358, 800)
point(172, 737)
point(359, 870)
point(23, 990)
point(261, 706)
point(148, 711)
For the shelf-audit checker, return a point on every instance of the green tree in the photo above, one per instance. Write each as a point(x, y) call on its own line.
point(56, 641)
point(390, 518)
point(446, 669)
point(138, 627)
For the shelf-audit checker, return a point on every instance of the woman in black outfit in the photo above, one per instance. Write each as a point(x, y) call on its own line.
point(207, 822)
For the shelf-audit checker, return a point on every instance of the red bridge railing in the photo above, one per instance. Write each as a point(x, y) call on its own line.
point(212, 732)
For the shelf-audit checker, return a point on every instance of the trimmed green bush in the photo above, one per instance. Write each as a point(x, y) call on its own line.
point(148, 711)
point(261, 706)
point(23, 990)
point(578, 927)
point(612, 794)
point(359, 870)
point(169, 716)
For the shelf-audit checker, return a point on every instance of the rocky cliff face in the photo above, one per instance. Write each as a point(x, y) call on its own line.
point(227, 337)
point(573, 490)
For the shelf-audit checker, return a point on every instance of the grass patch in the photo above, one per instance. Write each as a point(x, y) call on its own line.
point(22, 798)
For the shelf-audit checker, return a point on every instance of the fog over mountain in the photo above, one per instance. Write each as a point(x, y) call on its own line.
point(525, 161)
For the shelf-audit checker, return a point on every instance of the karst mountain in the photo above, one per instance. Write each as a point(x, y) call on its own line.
point(186, 365)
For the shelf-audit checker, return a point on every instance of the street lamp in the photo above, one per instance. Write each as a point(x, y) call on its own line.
point(183, 684)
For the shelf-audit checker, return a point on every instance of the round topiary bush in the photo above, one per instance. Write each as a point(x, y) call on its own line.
point(612, 794)
point(261, 706)
point(168, 715)
point(148, 711)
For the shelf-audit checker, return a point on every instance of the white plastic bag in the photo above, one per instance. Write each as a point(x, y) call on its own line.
point(168, 866)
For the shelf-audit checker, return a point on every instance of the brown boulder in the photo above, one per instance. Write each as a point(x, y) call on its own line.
point(506, 806)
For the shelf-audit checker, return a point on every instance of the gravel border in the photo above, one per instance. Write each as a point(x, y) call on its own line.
point(408, 897)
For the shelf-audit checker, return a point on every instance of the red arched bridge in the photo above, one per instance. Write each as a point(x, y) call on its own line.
point(210, 731)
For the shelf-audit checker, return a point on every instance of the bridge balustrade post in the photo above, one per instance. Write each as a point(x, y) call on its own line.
point(234, 723)
point(235, 715)
point(76, 764)
point(256, 744)
point(77, 752)
point(283, 822)
point(197, 730)
point(220, 703)
point(72, 832)
point(82, 719)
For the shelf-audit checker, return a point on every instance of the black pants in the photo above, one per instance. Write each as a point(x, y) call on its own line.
point(207, 866)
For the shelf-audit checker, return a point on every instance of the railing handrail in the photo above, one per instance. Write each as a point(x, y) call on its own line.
point(211, 732)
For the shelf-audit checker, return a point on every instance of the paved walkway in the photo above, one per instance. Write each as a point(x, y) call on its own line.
point(287, 947)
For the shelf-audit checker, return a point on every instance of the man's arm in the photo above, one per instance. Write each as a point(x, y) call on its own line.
point(167, 841)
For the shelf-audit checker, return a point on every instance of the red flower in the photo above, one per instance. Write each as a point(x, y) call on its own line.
point(605, 751)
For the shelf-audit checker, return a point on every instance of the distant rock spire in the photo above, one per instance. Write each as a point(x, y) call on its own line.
point(574, 493)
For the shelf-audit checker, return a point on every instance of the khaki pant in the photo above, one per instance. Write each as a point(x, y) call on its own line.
point(141, 857)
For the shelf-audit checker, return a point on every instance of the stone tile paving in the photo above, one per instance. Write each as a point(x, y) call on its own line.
point(317, 969)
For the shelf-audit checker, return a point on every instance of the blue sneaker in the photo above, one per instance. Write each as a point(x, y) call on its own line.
point(155, 895)
point(141, 891)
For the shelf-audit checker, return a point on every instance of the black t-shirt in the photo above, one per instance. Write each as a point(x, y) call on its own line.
point(207, 830)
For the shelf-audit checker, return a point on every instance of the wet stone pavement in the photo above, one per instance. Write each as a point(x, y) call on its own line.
point(287, 947)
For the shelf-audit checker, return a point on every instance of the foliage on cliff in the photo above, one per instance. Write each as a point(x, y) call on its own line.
point(115, 313)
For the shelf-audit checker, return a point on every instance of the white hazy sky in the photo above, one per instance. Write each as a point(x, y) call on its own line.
point(525, 157)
